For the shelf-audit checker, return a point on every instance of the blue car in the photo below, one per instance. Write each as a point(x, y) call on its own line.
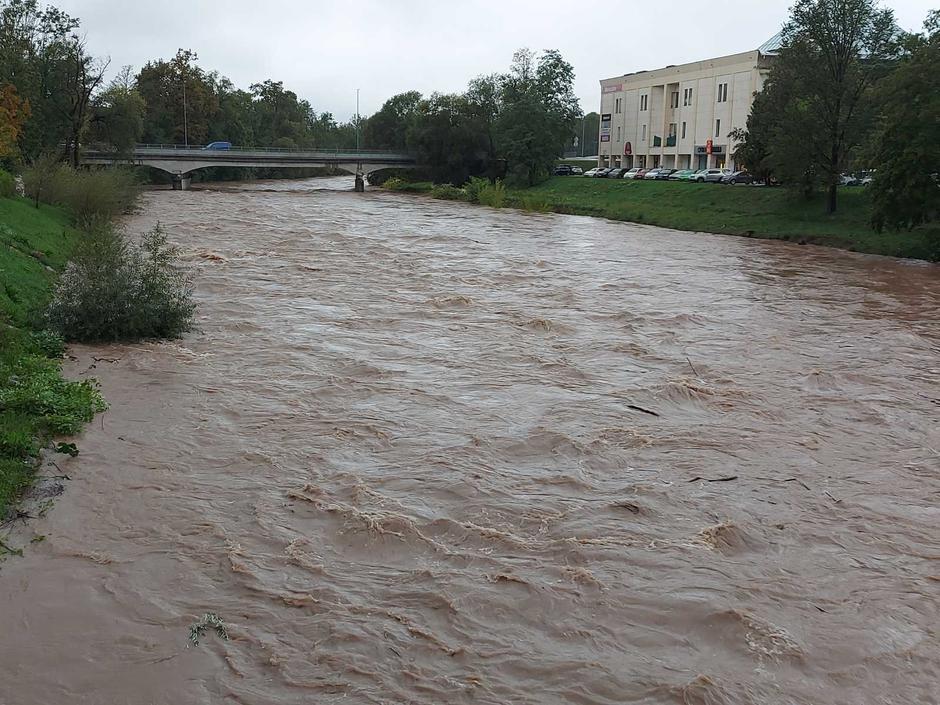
point(218, 145)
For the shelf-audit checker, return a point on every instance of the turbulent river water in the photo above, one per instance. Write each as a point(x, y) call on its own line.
point(426, 452)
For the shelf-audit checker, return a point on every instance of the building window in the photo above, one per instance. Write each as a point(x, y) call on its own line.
point(675, 99)
point(644, 102)
point(687, 97)
point(683, 130)
point(644, 133)
point(618, 104)
point(618, 133)
point(722, 92)
point(717, 128)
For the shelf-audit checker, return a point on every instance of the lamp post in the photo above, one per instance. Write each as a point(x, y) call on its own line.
point(357, 120)
point(582, 134)
point(185, 116)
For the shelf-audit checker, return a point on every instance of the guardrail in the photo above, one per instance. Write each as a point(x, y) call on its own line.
point(272, 150)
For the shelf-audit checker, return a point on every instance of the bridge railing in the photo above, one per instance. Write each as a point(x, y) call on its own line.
point(271, 150)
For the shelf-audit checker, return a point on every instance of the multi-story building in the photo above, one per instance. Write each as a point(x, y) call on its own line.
point(681, 116)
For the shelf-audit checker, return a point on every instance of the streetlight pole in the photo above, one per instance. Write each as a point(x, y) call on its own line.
point(582, 134)
point(185, 116)
point(357, 120)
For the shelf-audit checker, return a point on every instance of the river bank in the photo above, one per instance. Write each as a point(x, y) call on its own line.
point(767, 213)
point(36, 401)
point(408, 457)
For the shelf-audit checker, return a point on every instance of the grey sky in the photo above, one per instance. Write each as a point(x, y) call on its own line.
point(325, 49)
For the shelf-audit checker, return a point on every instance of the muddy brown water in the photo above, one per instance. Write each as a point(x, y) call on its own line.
point(407, 460)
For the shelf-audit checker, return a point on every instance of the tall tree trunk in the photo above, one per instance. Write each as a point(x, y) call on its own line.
point(831, 199)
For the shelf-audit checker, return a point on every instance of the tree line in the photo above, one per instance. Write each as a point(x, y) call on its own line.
point(850, 90)
point(54, 100)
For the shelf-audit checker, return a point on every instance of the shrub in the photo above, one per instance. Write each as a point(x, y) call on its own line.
point(114, 289)
point(91, 197)
point(7, 185)
point(493, 195)
point(394, 184)
point(535, 204)
point(448, 192)
point(473, 188)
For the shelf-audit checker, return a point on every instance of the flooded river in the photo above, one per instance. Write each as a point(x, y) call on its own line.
point(425, 452)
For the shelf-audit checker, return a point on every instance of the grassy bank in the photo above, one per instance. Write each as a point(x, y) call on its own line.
point(36, 403)
point(773, 213)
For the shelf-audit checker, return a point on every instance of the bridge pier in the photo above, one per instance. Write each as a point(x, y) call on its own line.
point(360, 184)
point(181, 182)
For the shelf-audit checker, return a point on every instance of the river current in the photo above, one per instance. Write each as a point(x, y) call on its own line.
point(427, 452)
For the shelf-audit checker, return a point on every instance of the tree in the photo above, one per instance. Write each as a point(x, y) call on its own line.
point(118, 113)
point(447, 136)
point(388, 128)
point(13, 114)
point(906, 190)
point(538, 114)
point(833, 52)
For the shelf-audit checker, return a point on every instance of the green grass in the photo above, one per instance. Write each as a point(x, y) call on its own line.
point(36, 402)
point(32, 241)
point(773, 213)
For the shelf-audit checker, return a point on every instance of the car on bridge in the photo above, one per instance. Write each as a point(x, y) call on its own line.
point(218, 145)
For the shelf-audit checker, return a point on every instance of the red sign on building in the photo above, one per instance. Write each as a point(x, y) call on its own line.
point(708, 147)
point(627, 150)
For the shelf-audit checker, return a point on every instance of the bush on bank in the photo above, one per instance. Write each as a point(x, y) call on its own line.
point(7, 184)
point(90, 196)
point(117, 290)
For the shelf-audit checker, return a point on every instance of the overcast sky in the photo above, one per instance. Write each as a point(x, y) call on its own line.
point(325, 49)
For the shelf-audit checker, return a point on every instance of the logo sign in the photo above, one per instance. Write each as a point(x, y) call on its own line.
point(605, 127)
point(613, 88)
point(708, 147)
point(606, 138)
point(627, 150)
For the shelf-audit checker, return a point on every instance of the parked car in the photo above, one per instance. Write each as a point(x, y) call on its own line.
point(602, 172)
point(737, 177)
point(591, 173)
point(681, 175)
point(631, 173)
point(660, 174)
point(576, 171)
point(641, 174)
point(616, 173)
point(712, 176)
point(218, 145)
point(562, 170)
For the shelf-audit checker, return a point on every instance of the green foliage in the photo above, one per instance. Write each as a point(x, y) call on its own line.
point(448, 192)
point(117, 118)
point(210, 620)
point(114, 289)
point(394, 184)
point(758, 212)
point(33, 243)
point(537, 117)
point(35, 401)
point(388, 128)
point(492, 195)
point(906, 189)
point(91, 196)
point(32, 386)
point(7, 185)
point(817, 104)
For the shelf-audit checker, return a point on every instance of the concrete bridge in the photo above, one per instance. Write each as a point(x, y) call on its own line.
point(180, 161)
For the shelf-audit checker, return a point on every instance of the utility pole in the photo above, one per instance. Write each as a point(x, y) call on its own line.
point(357, 120)
point(582, 134)
point(185, 116)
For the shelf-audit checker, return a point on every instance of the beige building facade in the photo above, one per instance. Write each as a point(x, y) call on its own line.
point(680, 117)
